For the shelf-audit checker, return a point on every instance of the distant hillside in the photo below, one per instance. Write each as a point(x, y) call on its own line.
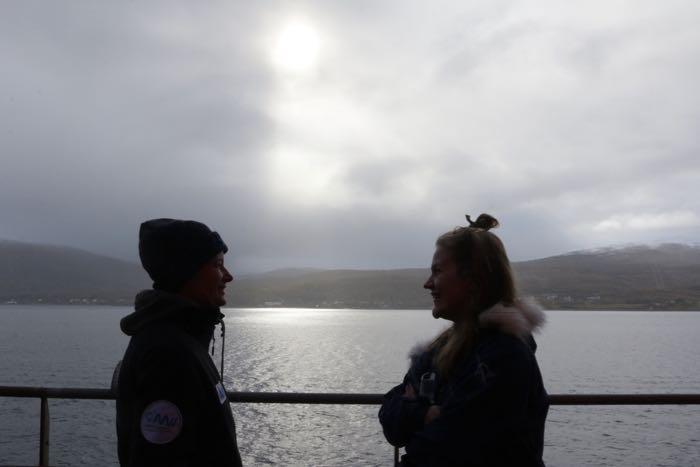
point(397, 288)
point(32, 273)
point(638, 277)
point(641, 277)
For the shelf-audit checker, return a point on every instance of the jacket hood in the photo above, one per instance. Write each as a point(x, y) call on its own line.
point(521, 319)
point(153, 306)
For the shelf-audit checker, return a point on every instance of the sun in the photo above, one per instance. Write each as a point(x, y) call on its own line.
point(296, 47)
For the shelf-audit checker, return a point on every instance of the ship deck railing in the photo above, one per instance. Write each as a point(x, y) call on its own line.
point(46, 393)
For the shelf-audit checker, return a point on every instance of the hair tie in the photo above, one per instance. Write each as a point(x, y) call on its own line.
point(484, 222)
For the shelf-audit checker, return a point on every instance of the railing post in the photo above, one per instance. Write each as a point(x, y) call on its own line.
point(44, 433)
point(396, 456)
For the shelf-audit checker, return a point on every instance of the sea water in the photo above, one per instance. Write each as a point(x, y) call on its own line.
point(311, 350)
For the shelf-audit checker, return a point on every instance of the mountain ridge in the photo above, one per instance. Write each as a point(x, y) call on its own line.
point(665, 276)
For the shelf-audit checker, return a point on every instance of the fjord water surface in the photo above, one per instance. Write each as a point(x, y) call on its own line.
point(309, 350)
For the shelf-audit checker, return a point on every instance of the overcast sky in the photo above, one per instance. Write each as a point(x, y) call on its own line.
point(350, 133)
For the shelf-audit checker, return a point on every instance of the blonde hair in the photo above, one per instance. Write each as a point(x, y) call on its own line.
point(481, 256)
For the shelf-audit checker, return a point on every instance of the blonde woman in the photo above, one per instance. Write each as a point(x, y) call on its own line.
point(474, 395)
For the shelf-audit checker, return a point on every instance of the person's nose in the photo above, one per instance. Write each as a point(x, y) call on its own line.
point(429, 283)
point(227, 276)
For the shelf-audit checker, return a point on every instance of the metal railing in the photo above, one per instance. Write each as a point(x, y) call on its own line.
point(44, 394)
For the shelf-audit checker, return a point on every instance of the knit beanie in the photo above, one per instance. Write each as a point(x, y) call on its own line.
point(172, 250)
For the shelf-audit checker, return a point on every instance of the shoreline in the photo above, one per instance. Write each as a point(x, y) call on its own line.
point(599, 308)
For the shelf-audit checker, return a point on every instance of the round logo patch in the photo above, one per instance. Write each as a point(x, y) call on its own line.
point(161, 422)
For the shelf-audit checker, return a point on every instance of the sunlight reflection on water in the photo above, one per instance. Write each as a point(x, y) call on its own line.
point(356, 351)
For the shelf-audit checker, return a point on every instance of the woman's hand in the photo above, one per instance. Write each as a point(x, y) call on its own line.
point(432, 413)
point(409, 392)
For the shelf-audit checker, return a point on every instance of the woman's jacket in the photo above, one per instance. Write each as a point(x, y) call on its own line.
point(492, 408)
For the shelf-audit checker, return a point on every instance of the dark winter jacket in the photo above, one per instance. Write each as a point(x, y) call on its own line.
point(172, 409)
point(492, 408)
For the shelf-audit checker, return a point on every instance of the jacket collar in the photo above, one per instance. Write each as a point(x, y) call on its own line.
point(157, 306)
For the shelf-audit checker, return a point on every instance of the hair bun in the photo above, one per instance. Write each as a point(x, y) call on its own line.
point(484, 221)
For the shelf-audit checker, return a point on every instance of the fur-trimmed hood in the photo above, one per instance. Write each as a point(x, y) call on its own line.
point(521, 319)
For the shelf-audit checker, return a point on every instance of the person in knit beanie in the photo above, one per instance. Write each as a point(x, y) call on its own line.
point(172, 407)
point(173, 251)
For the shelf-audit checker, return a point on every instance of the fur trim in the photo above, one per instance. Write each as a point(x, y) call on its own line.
point(521, 319)
point(418, 350)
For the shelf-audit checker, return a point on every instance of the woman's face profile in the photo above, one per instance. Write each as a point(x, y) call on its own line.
point(451, 291)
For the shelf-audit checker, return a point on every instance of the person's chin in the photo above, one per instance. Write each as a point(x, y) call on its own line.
point(221, 298)
point(436, 312)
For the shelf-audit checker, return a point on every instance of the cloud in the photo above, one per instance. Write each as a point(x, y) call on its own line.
point(575, 125)
point(667, 220)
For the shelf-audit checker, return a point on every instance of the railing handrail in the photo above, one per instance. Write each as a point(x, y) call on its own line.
point(46, 393)
point(351, 398)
